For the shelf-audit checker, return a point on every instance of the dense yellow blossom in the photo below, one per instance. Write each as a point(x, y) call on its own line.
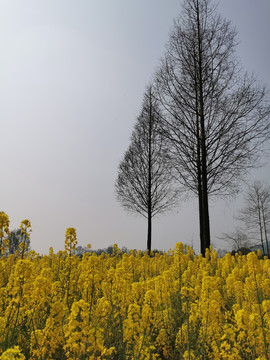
point(4, 232)
point(25, 228)
point(12, 354)
point(71, 239)
point(133, 306)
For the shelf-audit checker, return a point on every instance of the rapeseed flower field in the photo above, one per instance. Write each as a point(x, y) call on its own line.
point(174, 305)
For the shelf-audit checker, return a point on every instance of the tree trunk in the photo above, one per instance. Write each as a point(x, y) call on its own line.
point(260, 225)
point(201, 221)
point(265, 232)
point(205, 206)
point(199, 179)
point(205, 223)
point(149, 234)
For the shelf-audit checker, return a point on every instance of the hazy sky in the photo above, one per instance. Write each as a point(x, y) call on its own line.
point(72, 78)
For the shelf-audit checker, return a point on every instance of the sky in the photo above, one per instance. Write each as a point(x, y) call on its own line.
point(72, 79)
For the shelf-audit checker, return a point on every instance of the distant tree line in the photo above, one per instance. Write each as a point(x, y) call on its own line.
point(81, 250)
point(17, 242)
point(203, 124)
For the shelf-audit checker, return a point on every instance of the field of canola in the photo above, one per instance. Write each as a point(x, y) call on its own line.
point(133, 306)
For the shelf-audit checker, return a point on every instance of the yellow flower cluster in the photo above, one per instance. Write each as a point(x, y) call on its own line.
point(25, 228)
point(4, 232)
point(12, 354)
point(71, 239)
point(134, 306)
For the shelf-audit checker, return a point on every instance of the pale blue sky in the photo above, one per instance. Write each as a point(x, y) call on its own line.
point(72, 77)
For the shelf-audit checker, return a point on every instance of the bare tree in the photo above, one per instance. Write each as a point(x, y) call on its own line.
point(256, 213)
point(238, 238)
point(145, 184)
point(216, 116)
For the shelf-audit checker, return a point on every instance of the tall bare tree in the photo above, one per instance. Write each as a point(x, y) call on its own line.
point(217, 116)
point(145, 184)
point(256, 213)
